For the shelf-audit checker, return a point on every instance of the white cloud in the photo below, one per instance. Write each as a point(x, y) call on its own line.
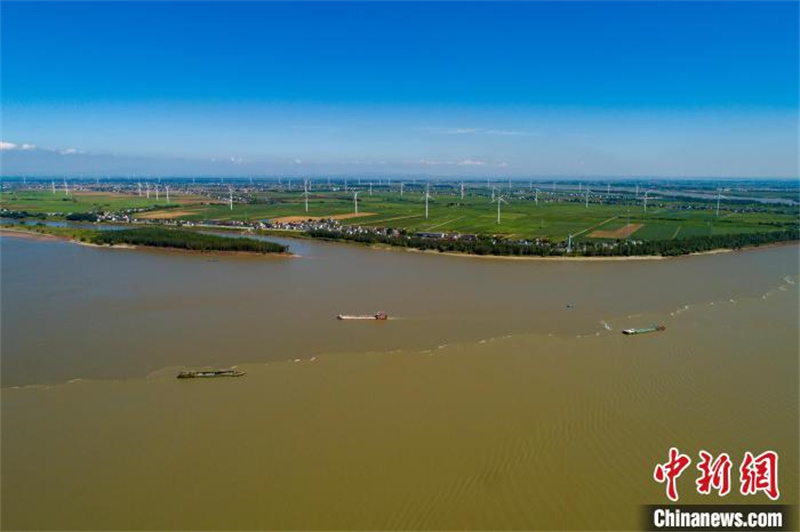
point(69, 151)
point(298, 161)
point(28, 146)
point(506, 132)
point(7, 146)
point(474, 131)
point(452, 130)
point(462, 162)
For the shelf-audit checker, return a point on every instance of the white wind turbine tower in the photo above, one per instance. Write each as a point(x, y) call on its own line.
point(719, 197)
point(493, 194)
point(401, 189)
point(305, 193)
point(536, 196)
point(139, 188)
point(500, 200)
point(166, 187)
point(156, 192)
point(345, 183)
point(66, 187)
point(637, 192)
point(147, 186)
point(427, 198)
point(54, 187)
point(569, 244)
point(355, 201)
point(230, 198)
point(370, 188)
point(587, 196)
point(462, 190)
point(646, 192)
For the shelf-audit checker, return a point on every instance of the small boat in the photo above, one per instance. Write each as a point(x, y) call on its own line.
point(652, 328)
point(210, 373)
point(381, 316)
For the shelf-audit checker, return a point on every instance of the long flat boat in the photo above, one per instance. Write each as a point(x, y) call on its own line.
point(380, 316)
point(645, 330)
point(210, 374)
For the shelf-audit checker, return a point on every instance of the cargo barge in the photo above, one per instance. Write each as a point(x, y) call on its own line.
point(652, 328)
point(210, 374)
point(380, 316)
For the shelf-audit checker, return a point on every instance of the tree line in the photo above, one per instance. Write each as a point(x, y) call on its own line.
point(178, 239)
point(486, 245)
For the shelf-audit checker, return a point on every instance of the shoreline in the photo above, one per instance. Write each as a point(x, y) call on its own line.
point(35, 235)
point(386, 247)
point(609, 258)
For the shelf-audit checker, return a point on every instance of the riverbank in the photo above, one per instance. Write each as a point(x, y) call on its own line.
point(153, 238)
point(597, 259)
point(69, 234)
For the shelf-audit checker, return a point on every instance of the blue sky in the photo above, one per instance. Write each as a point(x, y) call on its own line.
point(518, 89)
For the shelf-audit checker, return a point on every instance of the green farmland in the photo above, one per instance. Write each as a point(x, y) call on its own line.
point(553, 218)
point(43, 202)
point(557, 215)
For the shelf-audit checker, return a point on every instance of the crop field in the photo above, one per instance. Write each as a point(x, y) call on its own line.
point(36, 201)
point(554, 217)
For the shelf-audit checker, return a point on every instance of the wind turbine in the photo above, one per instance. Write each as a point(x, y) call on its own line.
point(401, 189)
point(66, 187)
point(646, 192)
point(569, 244)
point(637, 191)
point(167, 189)
point(587, 196)
point(719, 197)
point(230, 198)
point(462, 190)
point(54, 187)
point(147, 185)
point(139, 188)
point(370, 188)
point(493, 194)
point(345, 183)
point(536, 196)
point(500, 200)
point(427, 197)
point(355, 201)
point(156, 192)
point(305, 193)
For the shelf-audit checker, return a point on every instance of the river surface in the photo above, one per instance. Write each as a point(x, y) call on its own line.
point(500, 396)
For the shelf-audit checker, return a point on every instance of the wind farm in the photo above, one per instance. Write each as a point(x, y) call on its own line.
point(530, 210)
